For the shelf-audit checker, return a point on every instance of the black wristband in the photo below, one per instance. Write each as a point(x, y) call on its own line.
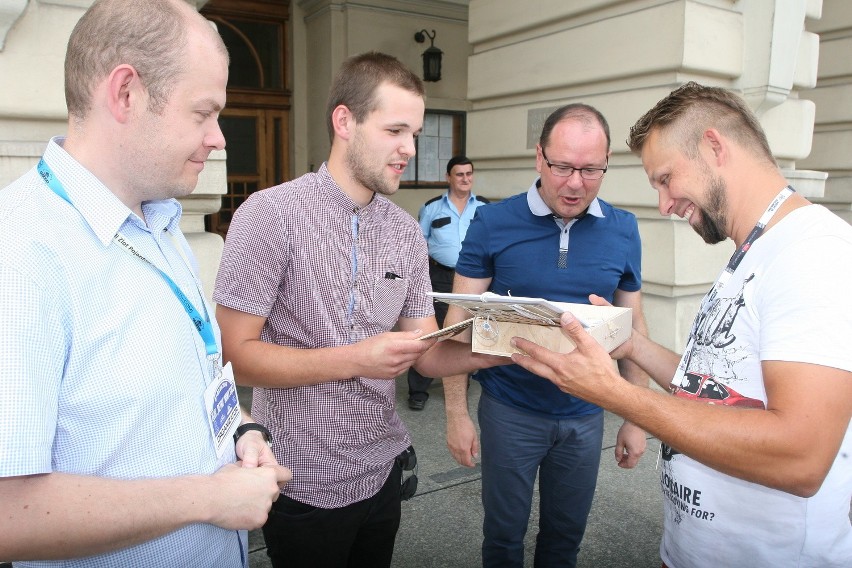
point(243, 428)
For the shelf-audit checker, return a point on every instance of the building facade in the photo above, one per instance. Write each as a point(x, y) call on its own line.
point(505, 66)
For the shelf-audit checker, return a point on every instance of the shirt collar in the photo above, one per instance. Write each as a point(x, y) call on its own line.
point(102, 210)
point(540, 209)
point(470, 197)
point(161, 214)
point(336, 194)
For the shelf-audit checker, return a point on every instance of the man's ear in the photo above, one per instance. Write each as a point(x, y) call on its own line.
point(717, 144)
point(124, 91)
point(539, 160)
point(343, 122)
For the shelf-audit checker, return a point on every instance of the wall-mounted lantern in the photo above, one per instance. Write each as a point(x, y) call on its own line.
point(431, 57)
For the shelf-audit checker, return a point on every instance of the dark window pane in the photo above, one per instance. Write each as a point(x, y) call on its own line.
point(241, 137)
point(266, 39)
point(243, 70)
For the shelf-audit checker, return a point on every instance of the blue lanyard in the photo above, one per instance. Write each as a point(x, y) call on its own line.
point(202, 323)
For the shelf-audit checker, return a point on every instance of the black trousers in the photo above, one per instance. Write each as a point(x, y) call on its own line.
point(360, 535)
point(442, 281)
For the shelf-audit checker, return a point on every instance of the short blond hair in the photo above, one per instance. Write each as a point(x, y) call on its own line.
point(150, 35)
point(685, 113)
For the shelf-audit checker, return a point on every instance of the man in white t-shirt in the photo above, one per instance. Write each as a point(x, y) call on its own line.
point(756, 441)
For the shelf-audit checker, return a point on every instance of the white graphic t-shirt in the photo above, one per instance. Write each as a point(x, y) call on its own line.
point(789, 300)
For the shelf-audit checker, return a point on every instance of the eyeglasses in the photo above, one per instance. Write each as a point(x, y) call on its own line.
point(567, 171)
point(407, 461)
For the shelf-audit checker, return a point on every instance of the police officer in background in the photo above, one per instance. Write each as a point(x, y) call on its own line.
point(444, 221)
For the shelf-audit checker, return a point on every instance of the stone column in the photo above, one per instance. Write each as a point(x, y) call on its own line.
point(833, 98)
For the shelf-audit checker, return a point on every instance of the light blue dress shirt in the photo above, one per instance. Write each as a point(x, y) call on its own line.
point(103, 372)
point(444, 228)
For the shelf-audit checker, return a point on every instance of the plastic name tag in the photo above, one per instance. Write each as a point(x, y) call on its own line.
point(223, 409)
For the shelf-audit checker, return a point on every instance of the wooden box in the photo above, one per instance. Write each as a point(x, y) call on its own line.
point(497, 319)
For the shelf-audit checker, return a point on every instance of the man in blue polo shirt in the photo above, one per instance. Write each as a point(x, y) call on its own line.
point(444, 221)
point(560, 242)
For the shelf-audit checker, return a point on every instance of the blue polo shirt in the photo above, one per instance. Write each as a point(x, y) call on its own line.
point(444, 228)
point(527, 251)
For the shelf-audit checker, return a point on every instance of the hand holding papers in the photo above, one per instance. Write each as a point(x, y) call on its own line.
point(448, 331)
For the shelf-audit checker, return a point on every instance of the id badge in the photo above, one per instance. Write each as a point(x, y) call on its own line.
point(223, 409)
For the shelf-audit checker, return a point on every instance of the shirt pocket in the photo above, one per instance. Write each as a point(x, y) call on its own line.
point(388, 298)
point(440, 222)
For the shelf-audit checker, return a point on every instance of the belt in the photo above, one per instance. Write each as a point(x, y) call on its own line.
point(437, 264)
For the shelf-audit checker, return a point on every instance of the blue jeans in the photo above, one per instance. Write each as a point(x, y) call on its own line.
point(565, 453)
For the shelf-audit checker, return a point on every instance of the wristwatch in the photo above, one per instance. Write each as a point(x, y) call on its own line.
point(242, 429)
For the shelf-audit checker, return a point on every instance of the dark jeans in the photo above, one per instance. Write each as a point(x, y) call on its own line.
point(565, 453)
point(360, 535)
point(442, 281)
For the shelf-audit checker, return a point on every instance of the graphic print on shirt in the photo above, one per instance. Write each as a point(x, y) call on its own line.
point(706, 372)
point(685, 501)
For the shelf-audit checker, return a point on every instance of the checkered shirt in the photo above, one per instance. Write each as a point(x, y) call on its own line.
point(289, 257)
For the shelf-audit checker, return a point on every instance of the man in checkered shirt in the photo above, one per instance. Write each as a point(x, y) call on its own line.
point(315, 274)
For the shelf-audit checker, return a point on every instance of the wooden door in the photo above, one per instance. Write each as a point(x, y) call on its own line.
point(257, 151)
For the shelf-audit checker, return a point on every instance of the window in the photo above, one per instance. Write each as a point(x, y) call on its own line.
point(441, 139)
